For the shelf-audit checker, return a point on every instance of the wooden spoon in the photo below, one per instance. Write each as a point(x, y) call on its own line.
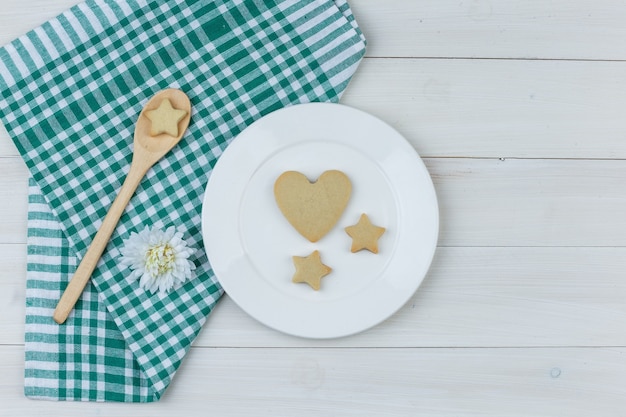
point(148, 149)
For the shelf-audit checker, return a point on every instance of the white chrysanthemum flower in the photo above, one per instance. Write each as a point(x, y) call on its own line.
point(159, 259)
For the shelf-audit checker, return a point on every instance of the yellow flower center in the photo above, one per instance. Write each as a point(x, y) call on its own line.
point(160, 259)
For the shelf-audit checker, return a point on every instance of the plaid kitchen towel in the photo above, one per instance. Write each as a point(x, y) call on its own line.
point(70, 94)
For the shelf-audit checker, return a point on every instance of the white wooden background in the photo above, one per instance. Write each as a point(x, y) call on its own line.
point(519, 110)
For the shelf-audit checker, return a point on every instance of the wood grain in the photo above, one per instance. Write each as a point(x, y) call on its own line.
point(13, 189)
point(558, 29)
point(373, 382)
point(498, 108)
point(7, 147)
point(515, 202)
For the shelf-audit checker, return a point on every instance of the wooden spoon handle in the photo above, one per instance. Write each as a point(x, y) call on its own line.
point(87, 265)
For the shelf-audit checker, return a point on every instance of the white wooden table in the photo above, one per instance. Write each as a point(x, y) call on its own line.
point(519, 111)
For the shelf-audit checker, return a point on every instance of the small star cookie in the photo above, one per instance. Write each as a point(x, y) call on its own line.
point(364, 235)
point(310, 269)
point(165, 119)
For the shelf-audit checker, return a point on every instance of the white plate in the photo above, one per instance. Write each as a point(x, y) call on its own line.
point(250, 244)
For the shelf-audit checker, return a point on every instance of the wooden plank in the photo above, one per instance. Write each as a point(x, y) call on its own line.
point(483, 202)
point(513, 202)
point(12, 293)
point(497, 297)
point(13, 262)
point(477, 108)
point(559, 29)
point(14, 195)
point(355, 382)
point(7, 148)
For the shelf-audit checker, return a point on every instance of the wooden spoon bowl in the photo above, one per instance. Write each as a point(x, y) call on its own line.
point(153, 148)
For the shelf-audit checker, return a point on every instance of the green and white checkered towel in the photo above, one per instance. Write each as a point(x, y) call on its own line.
point(70, 94)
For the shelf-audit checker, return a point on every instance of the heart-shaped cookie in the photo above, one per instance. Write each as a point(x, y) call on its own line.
point(312, 208)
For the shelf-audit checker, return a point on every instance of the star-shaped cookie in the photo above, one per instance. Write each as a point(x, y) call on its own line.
point(310, 269)
point(165, 119)
point(364, 235)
